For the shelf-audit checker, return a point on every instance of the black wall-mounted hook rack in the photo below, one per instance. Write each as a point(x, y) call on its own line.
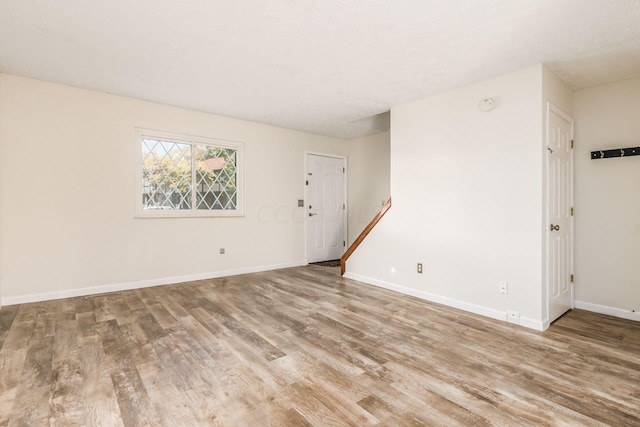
point(619, 152)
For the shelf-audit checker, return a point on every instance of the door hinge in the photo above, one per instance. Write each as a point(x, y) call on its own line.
point(571, 278)
point(344, 244)
point(343, 170)
point(571, 211)
point(343, 207)
point(572, 143)
point(306, 183)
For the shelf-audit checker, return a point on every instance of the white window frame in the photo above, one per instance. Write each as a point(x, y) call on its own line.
point(191, 140)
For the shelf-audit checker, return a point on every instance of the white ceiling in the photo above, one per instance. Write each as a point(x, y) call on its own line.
point(316, 66)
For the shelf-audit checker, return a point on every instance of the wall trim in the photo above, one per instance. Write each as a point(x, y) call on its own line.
point(450, 302)
point(538, 325)
point(611, 311)
point(93, 290)
point(545, 324)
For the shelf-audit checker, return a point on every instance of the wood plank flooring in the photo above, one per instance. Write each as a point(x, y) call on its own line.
point(304, 347)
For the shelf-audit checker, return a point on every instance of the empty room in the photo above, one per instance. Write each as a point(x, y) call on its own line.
point(305, 213)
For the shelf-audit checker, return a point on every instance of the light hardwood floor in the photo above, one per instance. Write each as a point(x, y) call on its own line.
point(302, 346)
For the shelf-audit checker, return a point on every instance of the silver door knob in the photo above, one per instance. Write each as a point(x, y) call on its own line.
point(554, 227)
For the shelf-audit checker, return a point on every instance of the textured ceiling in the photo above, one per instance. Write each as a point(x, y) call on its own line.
point(316, 66)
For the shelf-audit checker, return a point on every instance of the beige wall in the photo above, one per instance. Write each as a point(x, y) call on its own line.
point(67, 194)
point(368, 180)
point(556, 91)
point(469, 198)
point(607, 219)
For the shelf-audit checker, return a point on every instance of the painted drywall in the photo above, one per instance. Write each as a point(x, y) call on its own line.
point(67, 193)
point(468, 194)
point(369, 164)
point(607, 201)
point(556, 91)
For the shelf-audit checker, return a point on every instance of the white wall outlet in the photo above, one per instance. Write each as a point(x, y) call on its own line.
point(513, 316)
point(221, 251)
point(503, 288)
point(419, 268)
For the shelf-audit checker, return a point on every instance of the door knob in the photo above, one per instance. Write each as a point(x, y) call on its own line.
point(554, 227)
point(312, 214)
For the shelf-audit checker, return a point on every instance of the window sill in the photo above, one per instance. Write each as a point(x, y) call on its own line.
point(189, 214)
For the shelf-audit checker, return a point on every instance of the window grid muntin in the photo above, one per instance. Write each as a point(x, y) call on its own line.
point(227, 202)
point(171, 156)
point(221, 187)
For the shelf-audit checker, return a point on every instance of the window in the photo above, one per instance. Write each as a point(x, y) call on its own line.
point(184, 176)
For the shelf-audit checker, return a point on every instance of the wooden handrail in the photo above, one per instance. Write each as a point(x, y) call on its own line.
point(367, 229)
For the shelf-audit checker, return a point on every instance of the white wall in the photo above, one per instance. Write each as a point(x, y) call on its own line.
point(468, 199)
point(368, 180)
point(67, 194)
point(556, 91)
point(607, 219)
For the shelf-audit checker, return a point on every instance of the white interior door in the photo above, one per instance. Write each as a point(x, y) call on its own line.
point(325, 207)
point(559, 212)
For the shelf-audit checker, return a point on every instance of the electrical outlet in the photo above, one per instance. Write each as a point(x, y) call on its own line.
point(419, 268)
point(513, 316)
point(221, 251)
point(503, 288)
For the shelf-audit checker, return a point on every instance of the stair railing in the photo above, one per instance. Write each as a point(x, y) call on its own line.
point(361, 237)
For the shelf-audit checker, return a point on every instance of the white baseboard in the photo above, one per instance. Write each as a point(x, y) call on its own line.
point(545, 325)
point(70, 293)
point(611, 311)
point(538, 325)
point(450, 302)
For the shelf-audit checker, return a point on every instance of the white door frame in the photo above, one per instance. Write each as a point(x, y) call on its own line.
point(306, 208)
point(553, 108)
